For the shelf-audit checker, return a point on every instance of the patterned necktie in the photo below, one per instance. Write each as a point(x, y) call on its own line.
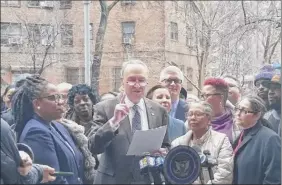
point(136, 120)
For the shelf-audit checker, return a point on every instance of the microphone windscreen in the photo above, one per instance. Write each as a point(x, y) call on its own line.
point(197, 148)
point(200, 153)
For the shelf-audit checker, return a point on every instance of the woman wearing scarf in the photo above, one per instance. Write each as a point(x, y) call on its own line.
point(79, 122)
point(215, 92)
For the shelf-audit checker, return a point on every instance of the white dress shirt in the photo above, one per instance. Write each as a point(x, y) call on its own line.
point(143, 114)
point(142, 111)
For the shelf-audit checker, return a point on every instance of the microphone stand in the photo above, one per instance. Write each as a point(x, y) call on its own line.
point(211, 174)
point(201, 176)
point(209, 165)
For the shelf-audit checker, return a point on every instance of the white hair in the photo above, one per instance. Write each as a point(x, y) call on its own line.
point(133, 61)
point(171, 69)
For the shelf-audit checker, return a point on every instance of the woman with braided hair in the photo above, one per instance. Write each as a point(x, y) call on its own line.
point(36, 105)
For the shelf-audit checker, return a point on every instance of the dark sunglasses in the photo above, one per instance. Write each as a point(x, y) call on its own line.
point(54, 97)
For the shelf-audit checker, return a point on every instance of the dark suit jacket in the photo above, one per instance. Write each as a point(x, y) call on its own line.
point(258, 160)
point(49, 149)
point(180, 110)
point(115, 167)
point(10, 160)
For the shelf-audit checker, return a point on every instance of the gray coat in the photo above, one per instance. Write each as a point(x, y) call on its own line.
point(115, 167)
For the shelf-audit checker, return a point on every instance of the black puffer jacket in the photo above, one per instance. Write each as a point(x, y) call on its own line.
point(10, 160)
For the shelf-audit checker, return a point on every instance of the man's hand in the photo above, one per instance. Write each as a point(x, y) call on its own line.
point(161, 151)
point(26, 163)
point(47, 174)
point(121, 111)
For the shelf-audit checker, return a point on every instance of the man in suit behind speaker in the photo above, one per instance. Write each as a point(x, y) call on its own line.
point(119, 118)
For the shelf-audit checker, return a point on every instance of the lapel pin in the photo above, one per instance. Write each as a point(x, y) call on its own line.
point(152, 114)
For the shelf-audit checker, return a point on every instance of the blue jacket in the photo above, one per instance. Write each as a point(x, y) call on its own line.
point(52, 149)
point(258, 159)
point(180, 110)
point(176, 128)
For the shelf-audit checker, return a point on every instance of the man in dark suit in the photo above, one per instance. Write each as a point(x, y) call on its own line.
point(172, 77)
point(119, 119)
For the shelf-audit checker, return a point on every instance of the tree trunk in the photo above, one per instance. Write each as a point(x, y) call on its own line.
point(99, 44)
point(98, 53)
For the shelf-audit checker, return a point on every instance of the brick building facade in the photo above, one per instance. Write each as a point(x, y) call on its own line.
point(53, 32)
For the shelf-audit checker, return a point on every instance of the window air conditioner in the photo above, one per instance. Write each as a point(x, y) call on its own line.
point(15, 40)
point(127, 40)
point(47, 4)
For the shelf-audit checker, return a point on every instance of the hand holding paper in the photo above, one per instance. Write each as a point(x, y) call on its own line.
point(146, 141)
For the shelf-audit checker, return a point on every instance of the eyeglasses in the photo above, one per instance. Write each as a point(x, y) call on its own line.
point(241, 110)
point(205, 96)
point(54, 97)
point(169, 81)
point(196, 114)
point(141, 83)
point(264, 83)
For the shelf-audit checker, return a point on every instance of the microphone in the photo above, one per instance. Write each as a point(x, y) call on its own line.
point(200, 153)
point(147, 163)
point(159, 163)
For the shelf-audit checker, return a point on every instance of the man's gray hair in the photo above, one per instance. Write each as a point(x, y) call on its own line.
point(133, 61)
point(171, 69)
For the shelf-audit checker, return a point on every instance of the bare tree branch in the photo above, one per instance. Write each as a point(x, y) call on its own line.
point(244, 12)
point(112, 5)
point(273, 48)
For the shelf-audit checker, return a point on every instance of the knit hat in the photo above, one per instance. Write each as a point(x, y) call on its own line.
point(276, 79)
point(265, 73)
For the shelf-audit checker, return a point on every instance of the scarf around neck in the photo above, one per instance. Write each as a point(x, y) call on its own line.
point(224, 123)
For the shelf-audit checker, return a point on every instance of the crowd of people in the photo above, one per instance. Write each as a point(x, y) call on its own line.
point(47, 128)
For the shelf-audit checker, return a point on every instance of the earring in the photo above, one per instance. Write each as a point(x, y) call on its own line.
point(38, 108)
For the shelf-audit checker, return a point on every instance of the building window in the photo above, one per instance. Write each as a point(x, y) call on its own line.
point(188, 36)
point(72, 75)
point(190, 77)
point(181, 67)
point(128, 32)
point(40, 4)
point(41, 34)
point(173, 31)
point(82, 76)
point(116, 78)
point(67, 34)
point(65, 4)
point(175, 4)
point(11, 3)
point(11, 34)
point(33, 3)
point(127, 2)
point(91, 31)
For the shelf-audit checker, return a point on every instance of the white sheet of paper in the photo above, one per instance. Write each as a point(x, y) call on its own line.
point(146, 141)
